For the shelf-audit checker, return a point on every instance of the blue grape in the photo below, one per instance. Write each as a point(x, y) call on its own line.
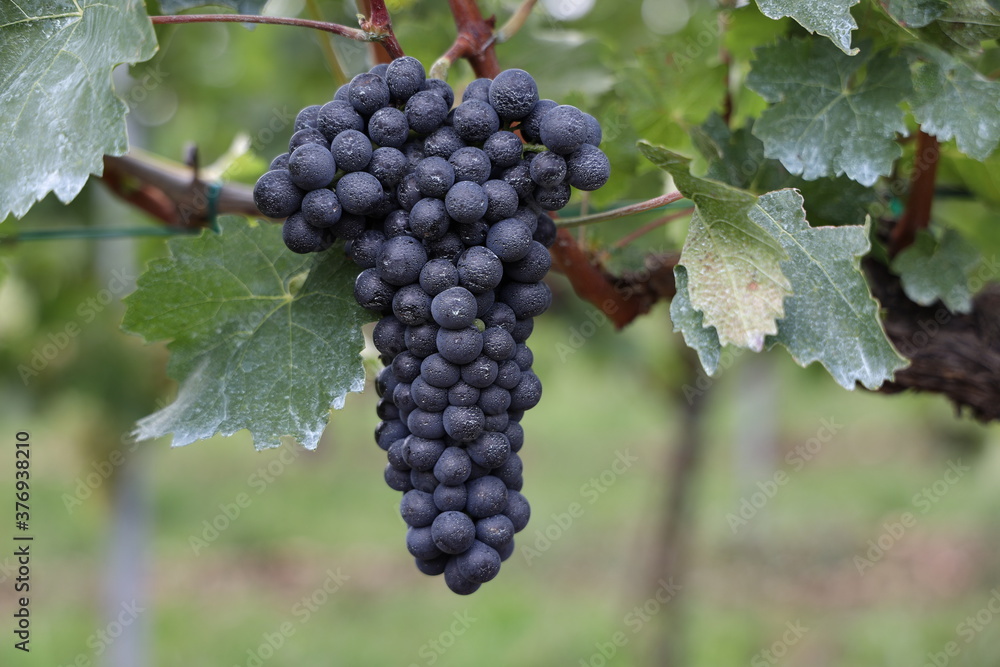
point(365, 248)
point(396, 224)
point(487, 496)
point(388, 165)
point(429, 219)
point(475, 120)
point(500, 315)
point(531, 124)
point(515, 435)
point(425, 112)
point(464, 424)
point(423, 480)
point(478, 89)
point(518, 510)
point(532, 267)
point(448, 247)
point(526, 299)
point(453, 467)
point(502, 200)
point(368, 93)
point(456, 582)
point(519, 178)
point(494, 399)
point(443, 142)
point(422, 340)
point(466, 202)
point(438, 371)
point(417, 508)
point(388, 432)
point(349, 226)
point(408, 194)
point(496, 531)
point(508, 374)
point(554, 198)
point(397, 480)
point(479, 269)
point(441, 89)
point(470, 164)
point(371, 292)
point(359, 192)
point(404, 77)
point(436, 276)
point(498, 344)
point(280, 162)
point(459, 346)
point(425, 424)
point(454, 308)
point(509, 240)
point(453, 532)
point(306, 118)
point(321, 208)
point(420, 543)
point(548, 169)
point(307, 135)
point(426, 396)
point(301, 237)
point(411, 305)
point(276, 195)
point(564, 129)
point(450, 498)
point(527, 393)
point(400, 260)
point(496, 423)
point(406, 366)
point(388, 127)
point(504, 149)
point(546, 231)
point(435, 176)
point(513, 94)
point(336, 117)
point(490, 449)
point(463, 395)
point(480, 372)
point(588, 168)
point(422, 453)
point(481, 563)
point(388, 336)
point(352, 150)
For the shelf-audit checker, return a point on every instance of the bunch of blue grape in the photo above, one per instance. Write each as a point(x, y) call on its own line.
point(444, 209)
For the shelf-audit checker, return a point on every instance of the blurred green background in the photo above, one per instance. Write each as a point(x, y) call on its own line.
point(823, 567)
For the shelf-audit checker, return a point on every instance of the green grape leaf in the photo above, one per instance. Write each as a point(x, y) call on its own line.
point(241, 6)
point(915, 13)
point(733, 266)
point(737, 157)
point(950, 99)
point(831, 316)
point(260, 338)
point(823, 121)
point(830, 18)
point(689, 321)
point(60, 111)
point(930, 270)
point(969, 23)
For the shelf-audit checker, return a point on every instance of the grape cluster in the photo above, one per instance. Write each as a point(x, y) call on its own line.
point(444, 210)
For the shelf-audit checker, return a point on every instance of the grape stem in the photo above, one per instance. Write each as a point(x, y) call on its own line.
point(515, 22)
point(615, 213)
point(645, 229)
point(369, 32)
point(917, 215)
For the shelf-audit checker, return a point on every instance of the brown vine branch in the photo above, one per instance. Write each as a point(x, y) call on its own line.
point(382, 34)
point(917, 215)
point(171, 192)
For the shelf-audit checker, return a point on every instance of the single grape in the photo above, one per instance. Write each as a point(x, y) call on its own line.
point(276, 194)
point(368, 93)
point(513, 94)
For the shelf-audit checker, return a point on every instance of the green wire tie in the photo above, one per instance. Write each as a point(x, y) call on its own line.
point(212, 208)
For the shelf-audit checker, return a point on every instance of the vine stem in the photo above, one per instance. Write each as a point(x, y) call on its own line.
point(615, 213)
point(387, 39)
point(515, 22)
point(917, 215)
point(645, 229)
